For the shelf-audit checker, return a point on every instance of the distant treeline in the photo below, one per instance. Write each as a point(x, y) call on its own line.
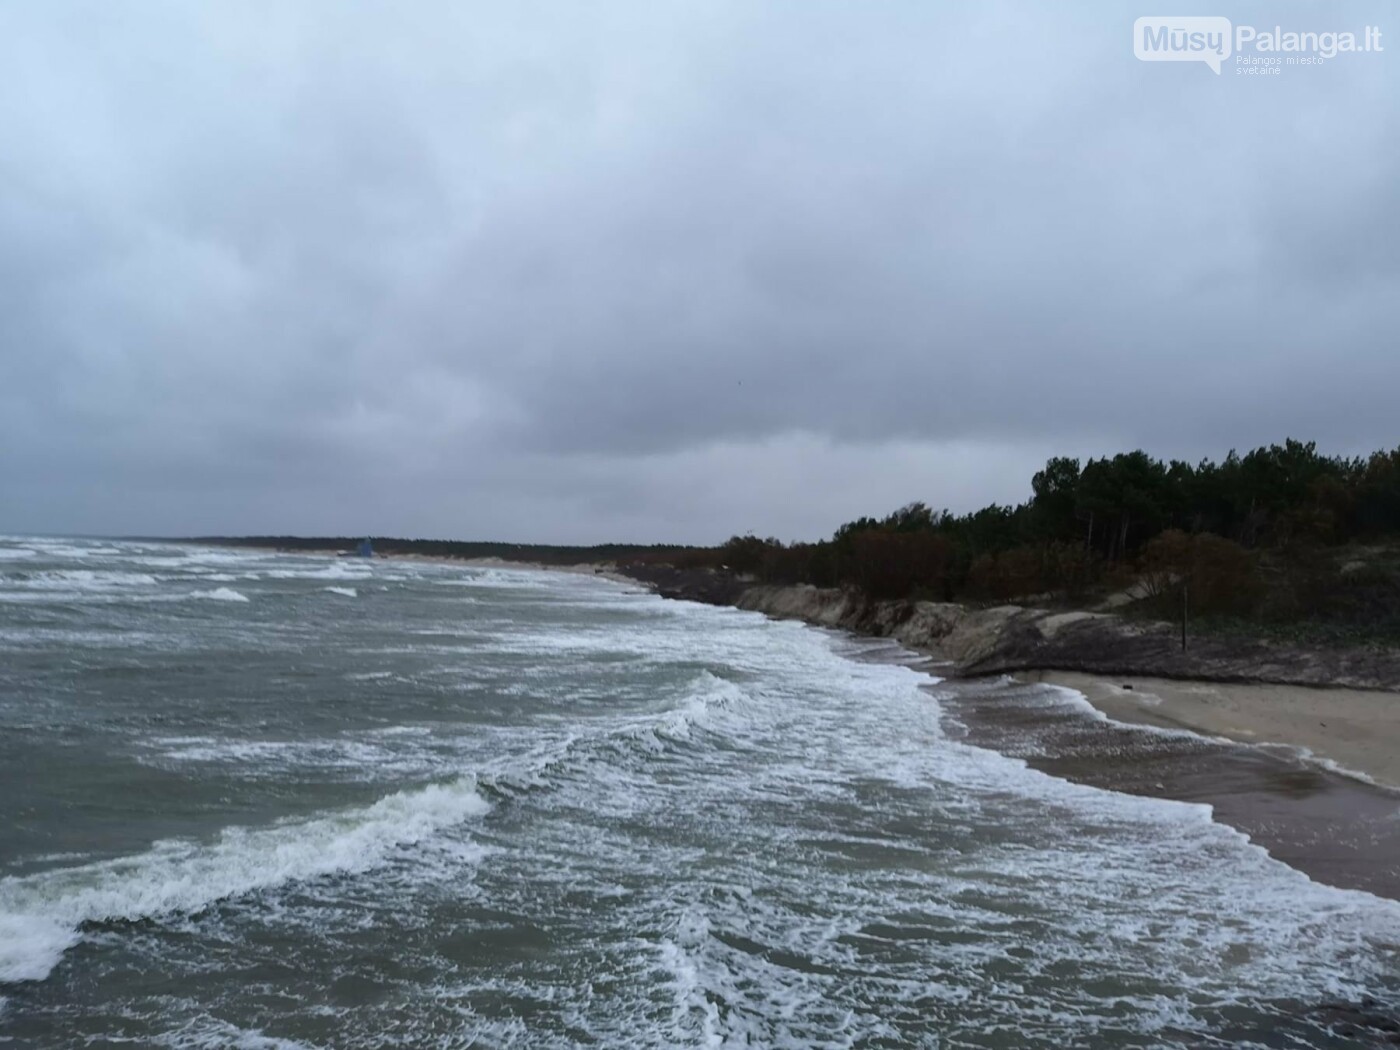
point(1281, 534)
point(1257, 535)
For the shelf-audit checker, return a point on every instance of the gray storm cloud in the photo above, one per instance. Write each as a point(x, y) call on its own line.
point(663, 272)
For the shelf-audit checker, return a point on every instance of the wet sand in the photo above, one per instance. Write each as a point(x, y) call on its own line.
point(1357, 729)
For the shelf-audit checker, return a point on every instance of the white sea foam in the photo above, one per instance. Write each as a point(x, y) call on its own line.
point(209, 1033)
point(1149, 887)
point(1073, 698)
point(785, 843)
point(336, 570)
point(49, 597)
point(514, 579)
point(1307, 754)
point(31, 945)
point(86, 579)
point(196, 560)
point(367, 757)
point(59, 550)
point(41, 915)
point(1064, 696)
point(221, 594)
point(348, 592)
point(707, 697)
point(15, 553)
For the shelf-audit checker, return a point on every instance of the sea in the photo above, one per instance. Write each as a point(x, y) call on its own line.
point(259, 800)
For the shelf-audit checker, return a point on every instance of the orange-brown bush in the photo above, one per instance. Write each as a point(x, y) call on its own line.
point(887, 564)
point(1061, 570)
point(1219, 574)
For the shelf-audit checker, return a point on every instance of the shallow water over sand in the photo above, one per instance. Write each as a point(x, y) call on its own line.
point(260, 800)
point(1339, 829)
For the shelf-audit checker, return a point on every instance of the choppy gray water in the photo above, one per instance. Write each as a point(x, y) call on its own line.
point(268, 801)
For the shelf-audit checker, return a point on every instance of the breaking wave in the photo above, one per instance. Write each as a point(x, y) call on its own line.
point(41, 916)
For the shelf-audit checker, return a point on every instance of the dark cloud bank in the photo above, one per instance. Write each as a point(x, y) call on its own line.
point(663, 272)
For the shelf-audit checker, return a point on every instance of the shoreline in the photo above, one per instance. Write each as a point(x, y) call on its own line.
point(1335, 829)
point(602, 570)
point(606, 570)
point(1331, 707)
point(1347, 730)
point(1350, 732)
point(1322, 799)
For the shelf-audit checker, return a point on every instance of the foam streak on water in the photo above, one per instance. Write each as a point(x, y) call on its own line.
point(494, 807)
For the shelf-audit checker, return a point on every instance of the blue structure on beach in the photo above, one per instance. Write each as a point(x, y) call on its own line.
point(366, 549)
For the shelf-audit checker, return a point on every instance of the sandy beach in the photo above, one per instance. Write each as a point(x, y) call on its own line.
point(1357, 730)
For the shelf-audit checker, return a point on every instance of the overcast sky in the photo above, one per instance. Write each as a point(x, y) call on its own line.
point(665, 271)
